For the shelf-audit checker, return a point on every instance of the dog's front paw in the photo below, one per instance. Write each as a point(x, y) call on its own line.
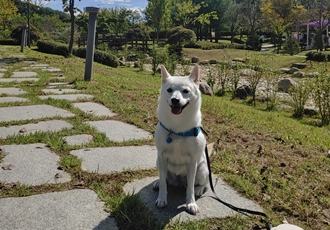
point(192, 208)
point(161, 203)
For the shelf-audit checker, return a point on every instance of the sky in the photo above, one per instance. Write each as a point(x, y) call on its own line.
point(129, 4)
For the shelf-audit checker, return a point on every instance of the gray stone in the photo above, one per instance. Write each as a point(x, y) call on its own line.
point(41, 126)
point(39, 65)
point(247, 72)
point(94, 109)
point(176, 208)
point(71, 210)
point(298, 74)
point(59, 91)
point(205, 89)
point(292, 70)
point(117, 159)
point(69, 97)
point(12, 91)
point(1, 75)
point(33, 164)
point(194, 60)
point(12, 99)
point(213, 62)
point(24, 74)
point(238, 60)
point(118, 131)
point(284, 70)
point(285, 84)
point(58, 84)
point(52, 70)
point(3, 70)
point(243, 91)
point(17, 56)
point(78, 139)
point(299, 65)
point(18, 79)
point(31, 112)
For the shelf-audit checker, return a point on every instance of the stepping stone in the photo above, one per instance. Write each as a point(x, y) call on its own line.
point(176, 196)
point(24, 74)
point(73, 209)
point(1, 75)
point(14, 113)
point(59, 91)
point(12, 99)
point(117, 159)
point(41, 126)
point(18, 79)
point(3, 69)
point(78, 139)
point(33, 164)
point(12, 91)
point(94, 109)
point(39, 65)
point(52, 70)
point(118, 131)
point(69, 97)
point(57, 84)
point(17, 56)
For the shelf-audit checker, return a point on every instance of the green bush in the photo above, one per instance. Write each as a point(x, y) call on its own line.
point(291, 46)
point(102, 57)
point(52, 47)
point(318, 56)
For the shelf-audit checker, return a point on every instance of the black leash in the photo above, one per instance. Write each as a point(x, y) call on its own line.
point(216, 197)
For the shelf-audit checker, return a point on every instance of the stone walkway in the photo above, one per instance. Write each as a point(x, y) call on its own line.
point(35, 164)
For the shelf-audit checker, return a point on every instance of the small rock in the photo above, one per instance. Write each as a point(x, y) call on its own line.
point(8, 167)
point(23, 130)
point(58, 175)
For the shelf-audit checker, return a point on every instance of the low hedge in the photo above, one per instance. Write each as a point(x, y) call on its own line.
point(103, 57)
point(318, 56)
point(211, 46)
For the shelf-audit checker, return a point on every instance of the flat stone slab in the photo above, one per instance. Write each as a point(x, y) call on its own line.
point(117, 159)
point(73, 209)
point(24, 74)
point(176, 208)
point(12, 99)
point(33, 164)
point(1, 75)
point(118, 131)
point(39, 65)
point(69, 97)
point(41, 126)
point(12, 91)
point(52, 70)
point(78, 139)
point(58, 84)
point(18, 79)
point(59, 91)
point(31, 112)
point(94, 109)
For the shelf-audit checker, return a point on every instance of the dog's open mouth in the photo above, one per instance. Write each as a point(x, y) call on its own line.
point(176, 110)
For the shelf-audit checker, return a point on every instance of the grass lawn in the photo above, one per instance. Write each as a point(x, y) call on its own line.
point(278, 161)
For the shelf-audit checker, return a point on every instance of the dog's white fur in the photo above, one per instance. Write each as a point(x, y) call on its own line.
point(183, 161)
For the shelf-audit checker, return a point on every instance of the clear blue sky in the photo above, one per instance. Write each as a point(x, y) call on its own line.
point(129, 4)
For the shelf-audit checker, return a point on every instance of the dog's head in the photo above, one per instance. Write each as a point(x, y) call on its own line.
point(179, 91)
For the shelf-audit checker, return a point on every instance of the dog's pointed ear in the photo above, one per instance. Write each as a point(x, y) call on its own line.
point(194, 75)
point(165, 74)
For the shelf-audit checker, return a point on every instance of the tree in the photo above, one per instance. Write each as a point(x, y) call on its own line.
point(234, 17)
point(319, 11)
point(280, 15)
point(8, 10)
point(179, 36)
point(154, 13)
point(251, 20)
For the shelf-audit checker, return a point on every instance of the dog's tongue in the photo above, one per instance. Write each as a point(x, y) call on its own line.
point(176, 110)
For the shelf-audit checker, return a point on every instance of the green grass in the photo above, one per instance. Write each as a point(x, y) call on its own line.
point(292, 169)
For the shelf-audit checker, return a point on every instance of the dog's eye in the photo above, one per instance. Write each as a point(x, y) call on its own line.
point(185, 91)
point(169, 90)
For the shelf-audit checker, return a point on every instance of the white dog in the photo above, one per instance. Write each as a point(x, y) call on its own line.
point(180, 143)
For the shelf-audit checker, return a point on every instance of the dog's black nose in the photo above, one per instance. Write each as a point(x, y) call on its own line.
point(175, 101)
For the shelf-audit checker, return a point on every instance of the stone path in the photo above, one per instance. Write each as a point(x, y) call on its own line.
point(35, 164)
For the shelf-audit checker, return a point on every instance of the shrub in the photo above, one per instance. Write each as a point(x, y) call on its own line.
point(16, 34)
point(291, 46)
point(321, 96)
point(53, 47)
point(318, 56)
point(300, 93)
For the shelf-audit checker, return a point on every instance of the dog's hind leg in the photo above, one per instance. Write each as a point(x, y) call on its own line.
point(202, 179)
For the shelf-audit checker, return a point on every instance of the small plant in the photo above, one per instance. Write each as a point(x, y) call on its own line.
point(160, 56)
point(300, 93)
point(223, 71)
point(141, 59)
point(271, 81)
point(235, 77)
point(254, 78)
point(321, 96)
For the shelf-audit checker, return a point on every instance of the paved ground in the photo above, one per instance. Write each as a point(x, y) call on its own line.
point(35, 164)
